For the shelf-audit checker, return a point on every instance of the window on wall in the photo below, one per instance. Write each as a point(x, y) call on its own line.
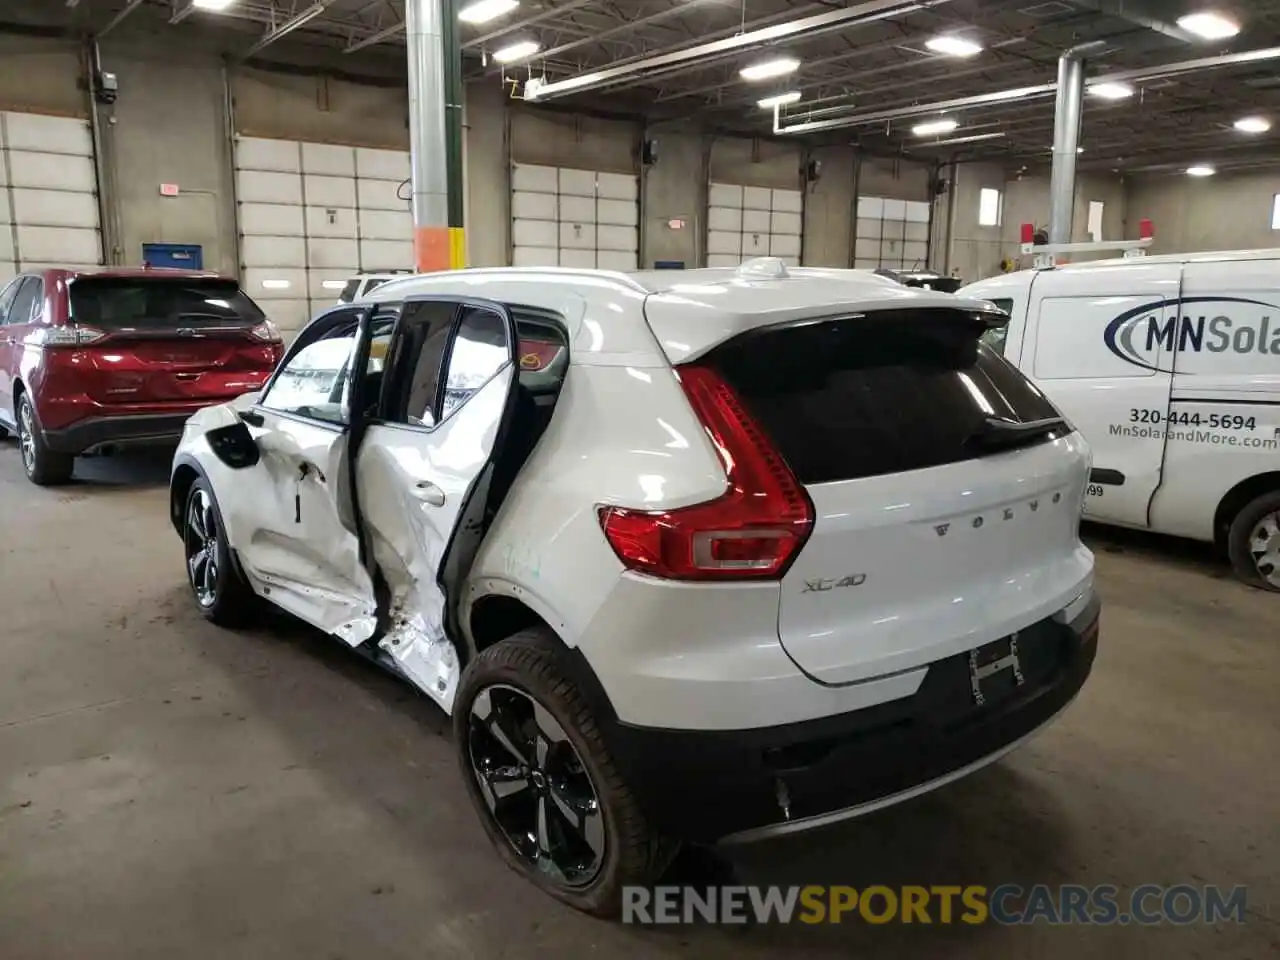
point(1275, 212)
point(1096, 208)
point(989, 207)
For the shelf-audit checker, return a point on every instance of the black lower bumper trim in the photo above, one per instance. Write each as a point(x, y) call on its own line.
point(705, 786)
point(100, 433)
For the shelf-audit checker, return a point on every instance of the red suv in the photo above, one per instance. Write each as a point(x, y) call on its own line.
point(91, 362)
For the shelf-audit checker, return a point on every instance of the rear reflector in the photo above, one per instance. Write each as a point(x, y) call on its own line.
point(754, 531)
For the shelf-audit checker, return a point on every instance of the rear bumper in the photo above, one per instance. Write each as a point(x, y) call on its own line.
point(96, 434)
point(734, 785)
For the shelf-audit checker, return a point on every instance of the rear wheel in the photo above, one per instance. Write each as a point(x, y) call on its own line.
point(220, 589)
point(1254, 542)
point(543, 781)
point(42, 465)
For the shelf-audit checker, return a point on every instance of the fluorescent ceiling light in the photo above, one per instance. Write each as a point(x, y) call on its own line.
point(1210, 25)
point(214, 5)
point(768, 69)
point(517, 51)
point(275, 284)
point(1111, 91)
point(1253, 124)
point(334, 284)
point(482, 11)
point(954, 46)
point(779, 99)
point(1201, 171)
point(945, 125)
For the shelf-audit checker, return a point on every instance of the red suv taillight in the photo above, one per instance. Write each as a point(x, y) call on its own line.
point(753, 531)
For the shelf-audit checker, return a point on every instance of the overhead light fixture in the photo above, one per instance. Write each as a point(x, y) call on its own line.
point(517, 51)
point(1210, 25)
point(768, 69)
point(1253, 124)
point(1200, 170)
point(933, 127)
point(779, 99)
point(334, 284)
point(953, 46)
point(214, 6)
point(275, 284)
point(482, 11)
point(1111, 91)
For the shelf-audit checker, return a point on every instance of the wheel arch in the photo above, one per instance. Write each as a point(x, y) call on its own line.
point(496, 610)
point(1235, 499)
point(185, 473)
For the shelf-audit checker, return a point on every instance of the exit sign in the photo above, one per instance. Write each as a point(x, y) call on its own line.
point(169, 190)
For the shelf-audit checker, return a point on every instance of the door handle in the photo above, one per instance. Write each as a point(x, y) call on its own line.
point(429, 493)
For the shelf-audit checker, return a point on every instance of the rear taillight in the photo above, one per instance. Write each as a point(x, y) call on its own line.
point(753, 531)
point(70, 335)
point(267, 332)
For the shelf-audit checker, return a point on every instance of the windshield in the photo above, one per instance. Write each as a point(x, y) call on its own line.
point(131, 303)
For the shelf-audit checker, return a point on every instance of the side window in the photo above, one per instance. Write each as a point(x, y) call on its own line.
point(419, 352)
point(349, 291)
point(25, 301)
point(6, 297)
point(995, 337)
point(479, 351)
point(313, 381)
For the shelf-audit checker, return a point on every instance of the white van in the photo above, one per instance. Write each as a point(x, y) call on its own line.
point(1170, 367)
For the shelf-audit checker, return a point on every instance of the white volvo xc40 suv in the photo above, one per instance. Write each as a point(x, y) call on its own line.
point(689, 556)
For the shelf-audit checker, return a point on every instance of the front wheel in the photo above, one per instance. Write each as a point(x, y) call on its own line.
point(1253, 542)
point(543, 780)
point(220, 589)
point(43, 466)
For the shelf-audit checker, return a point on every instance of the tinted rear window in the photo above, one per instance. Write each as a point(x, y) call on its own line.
point(126, 303)
point(876, 394)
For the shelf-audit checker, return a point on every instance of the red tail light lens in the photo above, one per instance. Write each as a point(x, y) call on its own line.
point(753, 531)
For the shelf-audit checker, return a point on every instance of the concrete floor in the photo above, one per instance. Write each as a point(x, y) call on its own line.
point(168, 789)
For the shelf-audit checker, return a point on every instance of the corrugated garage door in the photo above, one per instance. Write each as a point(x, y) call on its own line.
point(574, 218)
point(311, 216)
point(48, 201)
point(891, 233)
point(746, 222)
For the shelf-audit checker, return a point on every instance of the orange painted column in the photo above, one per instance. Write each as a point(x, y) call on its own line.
point(432, 249)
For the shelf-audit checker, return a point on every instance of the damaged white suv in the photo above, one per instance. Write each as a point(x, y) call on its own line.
point(689, 556)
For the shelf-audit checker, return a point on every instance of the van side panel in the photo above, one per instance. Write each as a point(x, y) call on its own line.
point(1223, 423)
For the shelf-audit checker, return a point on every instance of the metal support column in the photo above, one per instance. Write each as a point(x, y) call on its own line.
point(428, 150)
point(453, 131)
point(1067, 112)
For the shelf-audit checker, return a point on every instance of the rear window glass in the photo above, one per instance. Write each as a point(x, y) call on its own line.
point(123, 303)
point(878, 393)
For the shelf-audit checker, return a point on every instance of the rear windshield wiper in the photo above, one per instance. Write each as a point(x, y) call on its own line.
point(999, 434)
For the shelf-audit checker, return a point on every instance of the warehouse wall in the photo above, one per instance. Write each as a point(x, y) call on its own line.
point(675, 189)
point(829, 209)
point(487, 171)
point(1225, 212)
point(41, 76)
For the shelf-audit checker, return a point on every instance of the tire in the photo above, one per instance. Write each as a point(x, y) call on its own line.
point(43, 466)
point(221, 593)
point(527, 669)
point(1253, 542)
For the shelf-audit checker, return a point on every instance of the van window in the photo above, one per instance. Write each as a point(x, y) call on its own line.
point(1071, 339)
point(995, 337)
point(875, 394)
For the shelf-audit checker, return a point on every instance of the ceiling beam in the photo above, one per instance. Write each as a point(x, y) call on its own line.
point(515, 25)
point(119, 17)
point(290, 25)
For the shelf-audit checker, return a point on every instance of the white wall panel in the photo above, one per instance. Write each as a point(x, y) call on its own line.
point(619, 212)
point(53, 208)
point(571, 217)
point(253, 153)
point(618, 186)
point(261, 186)
point(58, 245)
point(378, 255)
point(582, 259)
point(725, 195)
point(785, 245)
point(757, 198)
point(748, 222)
point(273, 251)
point(891, 233)
point(8, 270)
point(271, 219)
point(275, 283)
point(325, 191)
point(382, 164)
point(755, 221)
point(38, 132)
point(535, 233)
point(326, 159)
point(724, 218)
point(578, 183)
point(52, 171)
point(323, 286)
point(577, 236)
point(723, 259)
point(615, 238)
point(788, 201)
point(7, 250)
point(577, 209)
point(290, 315)
point(535, 257)
point(785, 223)
point(386, 225)
point(533, 206)
point(724, 242)
point(617, 260)
point(380, 195)
point(331, 222)
point(526, 176)
point(328, 254)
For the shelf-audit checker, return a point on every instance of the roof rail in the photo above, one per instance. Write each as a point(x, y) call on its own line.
point(1046, 254)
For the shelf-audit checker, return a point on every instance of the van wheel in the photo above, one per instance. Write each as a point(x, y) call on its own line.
point(543, 781)
point(43, 466)
point(1253, 542)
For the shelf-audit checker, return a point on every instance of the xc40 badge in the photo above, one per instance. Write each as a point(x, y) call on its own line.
point(821, 585)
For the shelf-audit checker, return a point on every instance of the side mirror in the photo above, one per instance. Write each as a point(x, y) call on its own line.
point(234, 446)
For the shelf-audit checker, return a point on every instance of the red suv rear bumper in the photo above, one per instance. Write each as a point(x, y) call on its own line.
point(99, 434)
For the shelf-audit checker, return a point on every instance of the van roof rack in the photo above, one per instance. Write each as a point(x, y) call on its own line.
point(1046, 254)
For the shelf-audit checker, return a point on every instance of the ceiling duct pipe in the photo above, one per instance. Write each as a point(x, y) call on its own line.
point(1067, 111)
